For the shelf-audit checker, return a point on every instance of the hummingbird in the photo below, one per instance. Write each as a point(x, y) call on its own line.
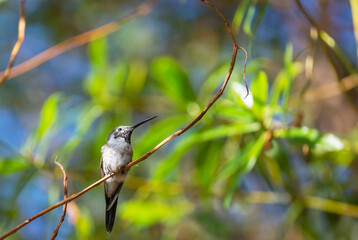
point(116, 154)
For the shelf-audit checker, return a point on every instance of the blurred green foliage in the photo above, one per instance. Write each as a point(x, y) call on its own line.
point(193, 187)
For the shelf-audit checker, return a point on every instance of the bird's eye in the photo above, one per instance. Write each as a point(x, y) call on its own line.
point(119, 129)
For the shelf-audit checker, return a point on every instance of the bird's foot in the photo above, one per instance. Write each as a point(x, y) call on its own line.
point(122, 169)
point(109, 171)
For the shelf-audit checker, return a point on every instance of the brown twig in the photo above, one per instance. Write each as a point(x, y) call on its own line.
point(145, 156)
point(20, 38)
point(341, 65)
point(64, 197)
point(79, 40)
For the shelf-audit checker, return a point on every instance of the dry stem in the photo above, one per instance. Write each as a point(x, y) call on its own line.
point(20, 38)
point(78, 40)
point(65, 195)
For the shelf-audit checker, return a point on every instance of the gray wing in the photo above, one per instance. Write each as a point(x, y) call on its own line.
point(111, 202)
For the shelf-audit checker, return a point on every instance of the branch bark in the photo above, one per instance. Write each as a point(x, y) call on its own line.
point(78, 40)
point(64, 197)
point(172, 136)
point(15, 50)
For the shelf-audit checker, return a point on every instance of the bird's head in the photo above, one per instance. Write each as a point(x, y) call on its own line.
point(124, 133)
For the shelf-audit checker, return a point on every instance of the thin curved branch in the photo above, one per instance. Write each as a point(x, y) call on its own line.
point(339, 62)
point(145, 156)
point(79, 40)
point(20, 38)
point(65, 195)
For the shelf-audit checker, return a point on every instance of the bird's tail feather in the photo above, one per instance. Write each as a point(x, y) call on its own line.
point(111, 215)
point(111, 207)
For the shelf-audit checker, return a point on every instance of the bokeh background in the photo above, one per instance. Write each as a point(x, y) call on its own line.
point(279, 164)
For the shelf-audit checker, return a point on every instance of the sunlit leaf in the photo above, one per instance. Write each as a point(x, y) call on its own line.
point(172, 160)
point(172, 79)
point(48, 115)
point(137, 76)
point(98, 53)
point(236, 114)
point(319, 144)
point(302, 135)
point(282, 85)
point(11, 165)
point(96, 82)
point(240, 15)
point(227, 131)
point(213, 81)
point(84, 224)
point(145, 213)
point(207, 164)
point(258, 16)
point(241, 164)
point(259, 89)
point(249, 18)
point(329, 142)
point(239, 93)
point(288, 56)
point(117, 78)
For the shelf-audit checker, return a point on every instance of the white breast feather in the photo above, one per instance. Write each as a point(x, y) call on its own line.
point(116, 153)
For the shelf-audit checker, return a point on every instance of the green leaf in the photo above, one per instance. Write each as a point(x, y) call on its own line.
point(137, 76)
point(325, 146)
point(282, 85)
point(146, 213)
point(172, 160)
point(211, 83)
point(259, 90)
point(84, 224)
point(241, 164)
point(249, 18)
point(89, 113)
point(302, 135)
point(172, 80)
point(235, 114)
point(207, 164)
point(238, 93)
point(96, 83)
point(48, 115)
point(226, 131)
point(288, 56)
point(239, 16)
point(156, 133)
point(9, 166)
point(259, 14)
point(313, 138)
point(98, 53)
point(117, 78)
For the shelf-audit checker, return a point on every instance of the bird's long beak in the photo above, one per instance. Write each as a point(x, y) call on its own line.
point(138, 124)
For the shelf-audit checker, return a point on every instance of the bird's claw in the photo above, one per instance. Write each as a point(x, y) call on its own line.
point(121, 169)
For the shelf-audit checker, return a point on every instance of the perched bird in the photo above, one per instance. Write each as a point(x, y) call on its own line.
point(116, 154)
